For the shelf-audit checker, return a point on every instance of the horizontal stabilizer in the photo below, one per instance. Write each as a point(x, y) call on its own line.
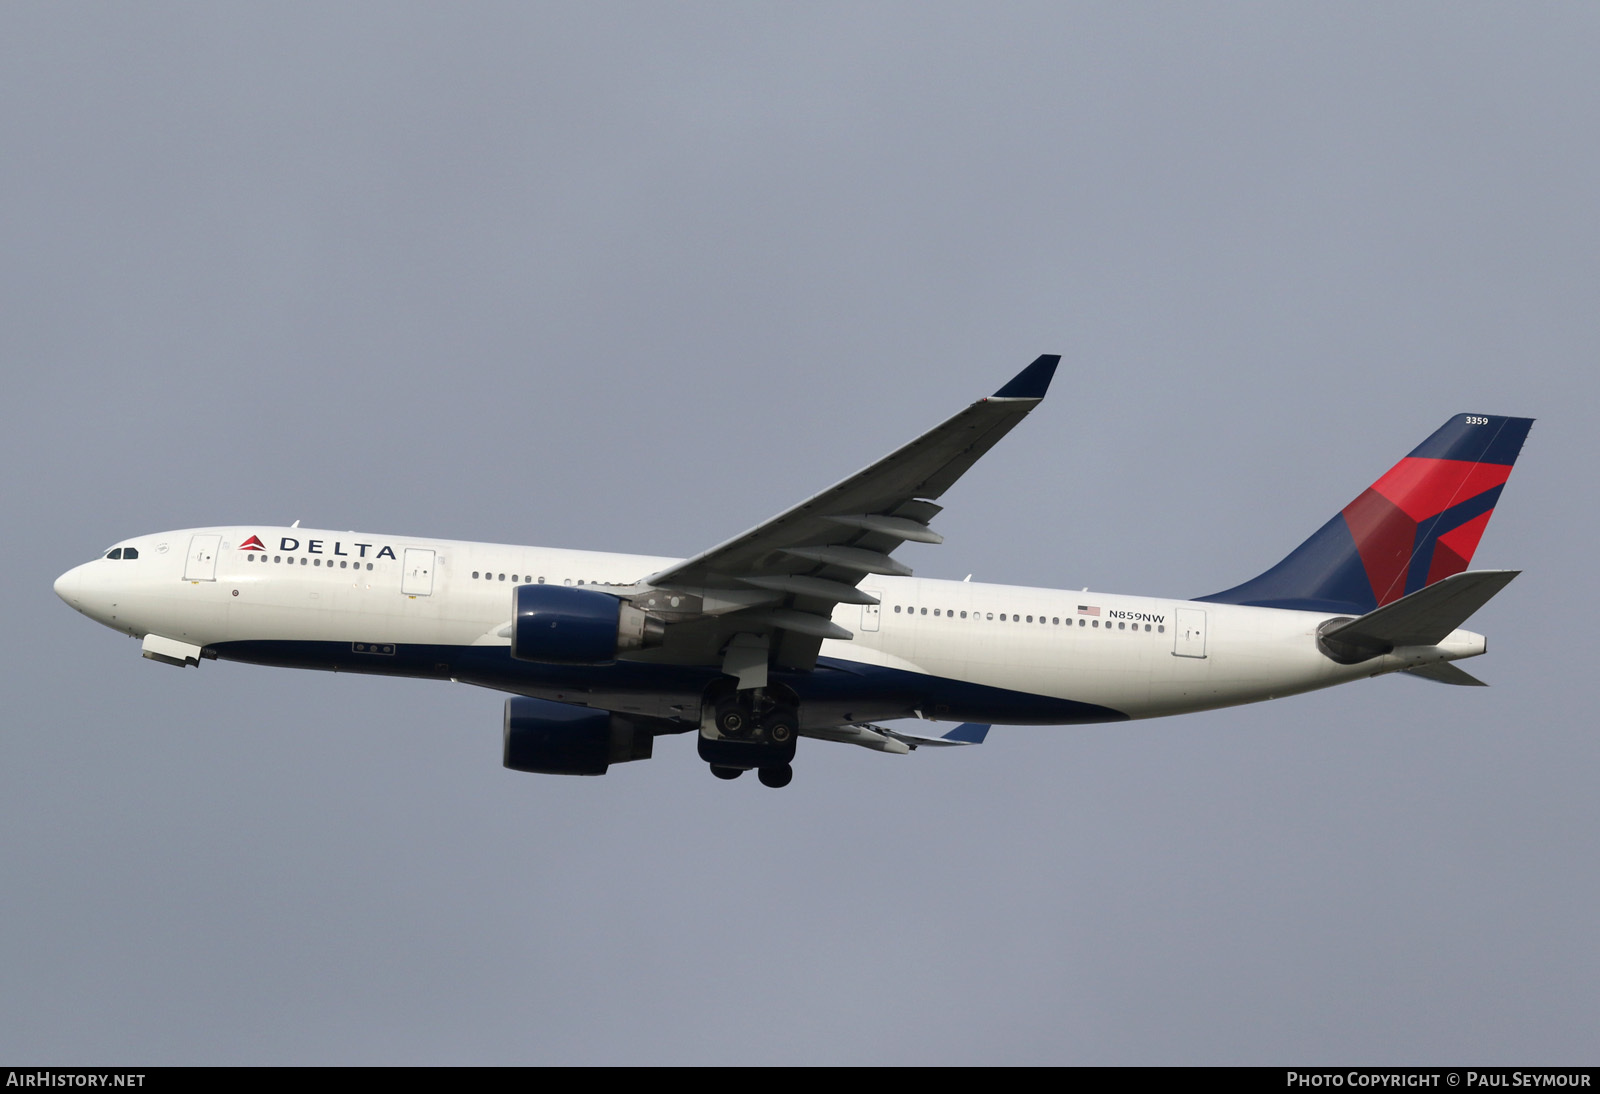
point(1423, 618)
point(1443, 672)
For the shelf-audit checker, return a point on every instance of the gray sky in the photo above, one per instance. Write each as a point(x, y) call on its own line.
point(634, 277)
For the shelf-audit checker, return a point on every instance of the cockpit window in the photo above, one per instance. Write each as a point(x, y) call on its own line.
point(115, 552)
point(129, 552)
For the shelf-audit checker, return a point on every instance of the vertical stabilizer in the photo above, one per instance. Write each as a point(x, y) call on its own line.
point(1416, 525)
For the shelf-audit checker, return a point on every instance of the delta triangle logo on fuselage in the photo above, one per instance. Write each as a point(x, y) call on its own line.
point(321, 547)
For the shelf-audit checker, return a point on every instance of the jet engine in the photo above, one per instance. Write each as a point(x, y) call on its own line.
point(549, 738)
point(560, 625)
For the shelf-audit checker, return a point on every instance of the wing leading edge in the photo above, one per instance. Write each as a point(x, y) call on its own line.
point(777, 584)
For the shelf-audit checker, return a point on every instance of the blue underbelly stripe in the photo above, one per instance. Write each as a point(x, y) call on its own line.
point(834, 681)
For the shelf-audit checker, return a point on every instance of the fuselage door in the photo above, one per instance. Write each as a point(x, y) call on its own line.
point(418, 577)
point(201, 564)
point(870, 613)
point(1189, 632)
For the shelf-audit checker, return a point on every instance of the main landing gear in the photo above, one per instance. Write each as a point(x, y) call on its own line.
point(774, 775)
point(750, 729)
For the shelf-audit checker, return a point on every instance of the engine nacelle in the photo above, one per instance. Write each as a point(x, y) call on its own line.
point(561, 625)
point(560, 739)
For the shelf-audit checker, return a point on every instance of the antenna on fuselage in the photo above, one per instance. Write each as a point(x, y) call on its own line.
point(296, 524)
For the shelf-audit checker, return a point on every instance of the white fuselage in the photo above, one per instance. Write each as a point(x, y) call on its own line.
point(361, 602)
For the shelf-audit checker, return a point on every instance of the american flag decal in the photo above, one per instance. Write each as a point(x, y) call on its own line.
point(1086, 609)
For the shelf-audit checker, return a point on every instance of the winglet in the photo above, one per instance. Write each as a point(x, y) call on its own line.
point(967, 733)
point(1033, 381)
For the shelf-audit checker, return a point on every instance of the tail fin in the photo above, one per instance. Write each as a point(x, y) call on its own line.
point(1416, 525)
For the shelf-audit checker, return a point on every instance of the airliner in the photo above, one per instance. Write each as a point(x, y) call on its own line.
point(806, 626)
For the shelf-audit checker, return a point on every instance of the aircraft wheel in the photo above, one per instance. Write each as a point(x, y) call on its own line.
point(733, 721)
point(727, 772)
point(775, 776)
point(780, 726)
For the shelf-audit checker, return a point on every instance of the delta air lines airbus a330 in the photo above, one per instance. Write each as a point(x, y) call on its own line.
point(806, 626)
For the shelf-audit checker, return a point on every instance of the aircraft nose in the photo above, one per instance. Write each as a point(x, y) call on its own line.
point(95, 591)
point(66, 584)
point(70, 586)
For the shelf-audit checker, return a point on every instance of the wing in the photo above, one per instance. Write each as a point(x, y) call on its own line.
point(769, 594)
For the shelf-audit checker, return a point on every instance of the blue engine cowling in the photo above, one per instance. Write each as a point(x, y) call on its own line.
point(549, 738)
point(561, 625)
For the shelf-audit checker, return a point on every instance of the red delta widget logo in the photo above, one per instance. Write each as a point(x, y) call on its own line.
point(288, 544)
